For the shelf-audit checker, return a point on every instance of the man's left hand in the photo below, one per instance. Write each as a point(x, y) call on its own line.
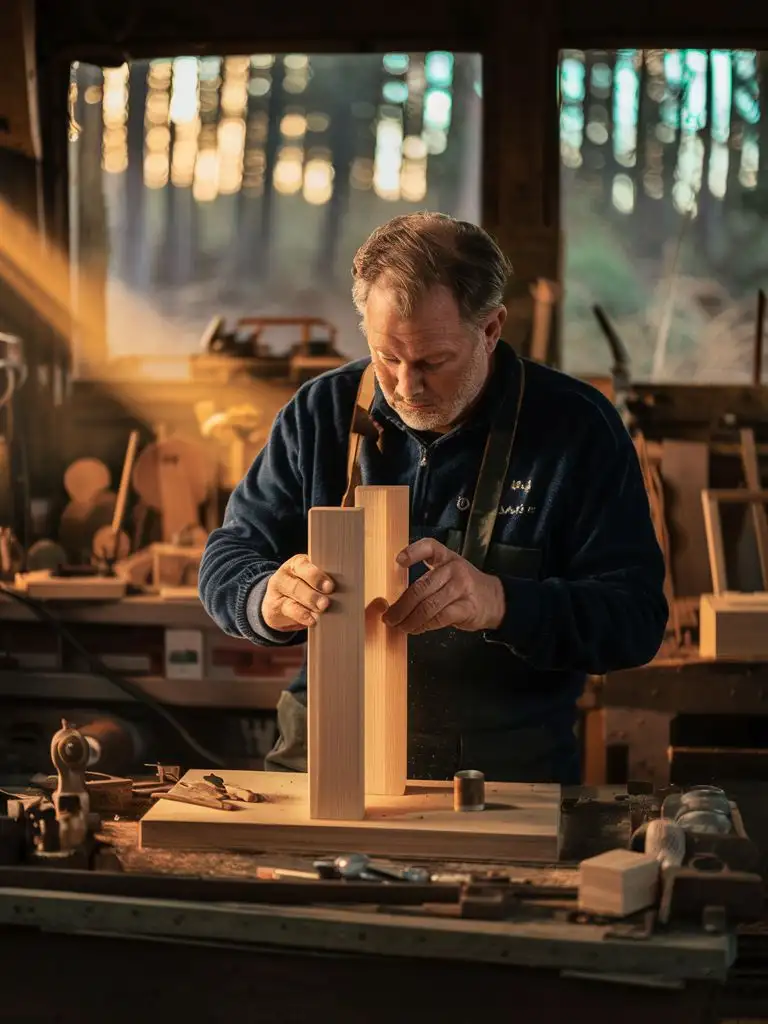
point(451, 593)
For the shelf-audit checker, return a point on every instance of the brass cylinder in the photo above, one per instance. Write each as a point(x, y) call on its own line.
point(469, 791)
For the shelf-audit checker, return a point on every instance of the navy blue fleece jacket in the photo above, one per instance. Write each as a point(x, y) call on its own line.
point(573, 545)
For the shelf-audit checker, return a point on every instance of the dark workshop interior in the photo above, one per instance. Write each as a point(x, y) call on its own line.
point(183, 188)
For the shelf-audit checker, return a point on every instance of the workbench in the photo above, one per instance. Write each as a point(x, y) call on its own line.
point(634, 709)
point(162, 959)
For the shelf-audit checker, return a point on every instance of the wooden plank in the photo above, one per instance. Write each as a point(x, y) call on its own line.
point(521, 822)
point(752, 479)
point(386, 650)
point(685, 472)
point(714, 534)
point(336, 668)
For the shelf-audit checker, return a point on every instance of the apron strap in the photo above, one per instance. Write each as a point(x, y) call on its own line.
point(493, 468)
point(361, 426)
point(492, 475)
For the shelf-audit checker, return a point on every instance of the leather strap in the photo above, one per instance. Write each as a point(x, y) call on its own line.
point(492, 475)
point(493, 468)
point(360, 427)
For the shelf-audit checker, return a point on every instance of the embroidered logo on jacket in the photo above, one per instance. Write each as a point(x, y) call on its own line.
point(514, 508)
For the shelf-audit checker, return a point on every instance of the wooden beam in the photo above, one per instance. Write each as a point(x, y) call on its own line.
point(386, 650)
point(752, 479)
point(714, 531)
point(336, 669)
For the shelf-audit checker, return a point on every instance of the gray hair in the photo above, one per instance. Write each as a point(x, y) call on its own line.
point(418, 251)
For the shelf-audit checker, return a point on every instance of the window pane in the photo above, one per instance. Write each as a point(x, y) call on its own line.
point(664, 183)
point(242, 185)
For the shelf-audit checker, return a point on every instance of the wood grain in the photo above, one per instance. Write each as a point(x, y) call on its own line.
point(386, 650)
point(521, 822)
point(336, 668)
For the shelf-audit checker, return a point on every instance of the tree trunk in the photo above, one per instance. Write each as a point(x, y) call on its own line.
point(133, 256)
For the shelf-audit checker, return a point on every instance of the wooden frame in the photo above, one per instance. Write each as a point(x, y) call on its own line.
point(711, 501)
point(335, 669)
point(752, 479)
point(386, 650)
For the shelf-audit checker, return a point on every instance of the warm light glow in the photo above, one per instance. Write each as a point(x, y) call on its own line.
point(413, 180)
point(114, 146)
point(289, 170)
point(183, 162)
point(318, 182)
point(231, 138)
point(231, 131)
point(156, 170)
point(414, 148)
point(157, 107)
point(185, 100)
point(205, 186)
point(293, 126)
point(389, 158)
point(262, 60)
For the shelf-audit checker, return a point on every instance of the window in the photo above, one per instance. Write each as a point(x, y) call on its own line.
point(242, 185)
point(664, 171)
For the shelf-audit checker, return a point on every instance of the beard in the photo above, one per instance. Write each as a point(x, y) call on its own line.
point(441, 415)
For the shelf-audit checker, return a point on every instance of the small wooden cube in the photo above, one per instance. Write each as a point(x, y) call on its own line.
point(618, 883)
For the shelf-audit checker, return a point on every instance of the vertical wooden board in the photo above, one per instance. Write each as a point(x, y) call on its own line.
point(715, 549)
point(685, 472)
point(752, 479)
point(386, 650)
point(336, 669)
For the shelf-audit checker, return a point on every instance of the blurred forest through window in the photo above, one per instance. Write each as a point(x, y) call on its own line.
point(665, 205)
point(242, 186)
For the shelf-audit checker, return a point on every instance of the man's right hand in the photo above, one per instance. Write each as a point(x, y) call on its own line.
point(296, 595)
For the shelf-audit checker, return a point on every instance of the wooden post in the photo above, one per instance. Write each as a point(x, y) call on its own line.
point(386, 650)
point(336, 669)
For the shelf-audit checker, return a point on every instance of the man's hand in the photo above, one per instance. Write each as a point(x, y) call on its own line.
point(451, 593)
point(295, 595)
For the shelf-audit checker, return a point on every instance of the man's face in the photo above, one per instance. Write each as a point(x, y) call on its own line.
point(432, 366)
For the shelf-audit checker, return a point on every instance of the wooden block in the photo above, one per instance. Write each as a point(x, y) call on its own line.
point(522, 822)
point(336, 668)
point(733, 626)
point(386, 650)
point(618, 883)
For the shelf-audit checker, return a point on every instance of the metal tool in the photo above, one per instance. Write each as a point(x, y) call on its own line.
point(358, 867)
point(469, 791)
point(70, 754)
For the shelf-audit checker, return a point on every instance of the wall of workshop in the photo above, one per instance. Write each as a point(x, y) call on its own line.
point(517, 43)
point(518, 157)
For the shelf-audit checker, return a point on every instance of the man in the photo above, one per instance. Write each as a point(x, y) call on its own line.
point(533, 559)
